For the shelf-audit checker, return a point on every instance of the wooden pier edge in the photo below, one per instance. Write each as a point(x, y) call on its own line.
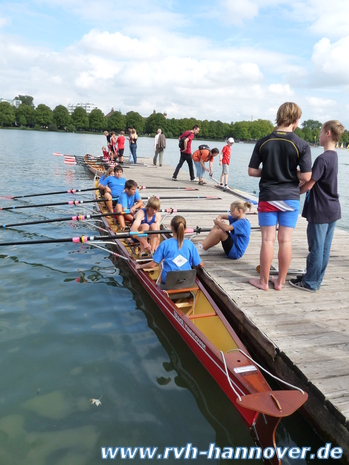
point(327, 421)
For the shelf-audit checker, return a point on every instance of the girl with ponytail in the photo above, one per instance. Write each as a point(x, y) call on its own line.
point(176, 253)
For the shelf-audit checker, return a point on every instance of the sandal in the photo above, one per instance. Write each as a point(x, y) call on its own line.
point(201, 183)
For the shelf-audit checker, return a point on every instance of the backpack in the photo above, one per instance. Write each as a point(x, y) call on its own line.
point(204, 147)
point(182, 139)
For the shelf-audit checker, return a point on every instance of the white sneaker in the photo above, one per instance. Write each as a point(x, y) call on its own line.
point(201, 250)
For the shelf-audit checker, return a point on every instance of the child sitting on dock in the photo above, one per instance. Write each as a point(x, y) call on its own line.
point(129, 199)
point(321, 208)
point(148, 219)
point(176, 253)
point(234, 236)
point(112, 186)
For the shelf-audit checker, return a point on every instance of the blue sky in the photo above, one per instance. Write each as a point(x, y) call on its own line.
point(227, 60)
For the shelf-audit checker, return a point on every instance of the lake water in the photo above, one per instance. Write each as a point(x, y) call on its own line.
point(75, 326)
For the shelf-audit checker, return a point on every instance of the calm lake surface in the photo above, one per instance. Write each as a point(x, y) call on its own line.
point(75, 326)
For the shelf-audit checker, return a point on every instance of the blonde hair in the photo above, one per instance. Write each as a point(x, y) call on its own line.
point(179, 225)
point(153, 202)
point(336, 128)
point(241, 205)
point(109, 171)
point(287, 114)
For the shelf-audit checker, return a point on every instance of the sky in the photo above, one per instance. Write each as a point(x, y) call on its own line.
point(227, 60)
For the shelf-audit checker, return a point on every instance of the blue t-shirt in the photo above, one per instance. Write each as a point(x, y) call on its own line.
point(240, 236)
point(127, 201)
point(102, 179)
point(116, 185)
point(176, 259)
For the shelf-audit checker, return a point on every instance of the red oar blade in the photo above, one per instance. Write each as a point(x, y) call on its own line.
point(274, 403)
point(6, 197)
point(57, 154)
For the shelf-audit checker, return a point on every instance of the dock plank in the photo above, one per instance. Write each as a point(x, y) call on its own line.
point(311, 329)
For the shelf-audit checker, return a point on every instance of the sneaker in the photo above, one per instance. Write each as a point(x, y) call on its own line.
point(174, 179)
point(298, 283)
point(193, 179)
point(201, 250)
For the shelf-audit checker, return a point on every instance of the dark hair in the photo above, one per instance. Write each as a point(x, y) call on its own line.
point(118, 168)
point(196, 127)
point(130, 183)
point(179, 225)
point(214, 151)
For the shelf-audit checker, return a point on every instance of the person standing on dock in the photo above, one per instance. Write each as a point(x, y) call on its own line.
point(185, 148)
point(121, 146)
point(280, 153)
point(159, 147)
point(224, 161)
point(321, 208)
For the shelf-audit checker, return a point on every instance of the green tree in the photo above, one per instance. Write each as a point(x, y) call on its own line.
point(154, 122)
point(80, 118)
point(25, 115)
point(116, 122)
point(7, 114)
point(97, 119)
point(242, 130)
point(43, 115)
point(312, 124)
point(135, 120)
point(26, 99)
point(61, 117)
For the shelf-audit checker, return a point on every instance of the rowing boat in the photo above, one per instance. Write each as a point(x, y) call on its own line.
point(203, 326)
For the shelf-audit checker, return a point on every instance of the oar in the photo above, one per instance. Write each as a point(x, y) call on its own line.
point(71, 202)
point(79, 202)
point(181, 210)
point(67, 218)
point(83, 239)
point(233, 191)
point(69, 191)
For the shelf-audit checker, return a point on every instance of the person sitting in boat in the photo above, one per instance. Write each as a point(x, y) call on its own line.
point(129, 199)
point(112, 186)
point(105, 154)
point(234, 236)
point(109, 172)
point(148, 219)
point(201, 156)
point(176, 253)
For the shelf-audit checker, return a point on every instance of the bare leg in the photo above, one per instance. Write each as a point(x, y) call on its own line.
point(154, 238)
point(266, 257)
point(108, 201)
point(121, 219)
point(215, 236)
point(143, 241)
point(284, 256)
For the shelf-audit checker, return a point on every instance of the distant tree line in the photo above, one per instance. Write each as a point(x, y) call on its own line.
point(59, 119)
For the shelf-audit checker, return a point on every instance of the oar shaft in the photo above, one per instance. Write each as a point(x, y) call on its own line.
point(67, 218)
point(69, 191)
point(71, 202)
point(83, 239)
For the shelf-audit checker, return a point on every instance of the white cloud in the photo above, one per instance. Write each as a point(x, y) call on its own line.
point(4, 22)
point(330, 61)
point(281, 89)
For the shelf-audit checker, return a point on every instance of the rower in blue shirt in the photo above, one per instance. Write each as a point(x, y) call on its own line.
point(112, 186)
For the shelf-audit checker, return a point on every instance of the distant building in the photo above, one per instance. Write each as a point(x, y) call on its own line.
point(88, 106)
point(110, 113)
point(14, 102)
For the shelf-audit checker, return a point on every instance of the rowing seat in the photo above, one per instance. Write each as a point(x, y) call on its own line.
point(181, 285)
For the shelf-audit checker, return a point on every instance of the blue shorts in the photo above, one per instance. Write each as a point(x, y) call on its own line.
point(287, 219)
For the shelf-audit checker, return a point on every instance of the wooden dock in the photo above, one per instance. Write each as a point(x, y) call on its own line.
point(302, 337)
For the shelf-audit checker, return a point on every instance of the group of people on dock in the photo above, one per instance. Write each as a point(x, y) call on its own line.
point(282, 161)
point(114, 152)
